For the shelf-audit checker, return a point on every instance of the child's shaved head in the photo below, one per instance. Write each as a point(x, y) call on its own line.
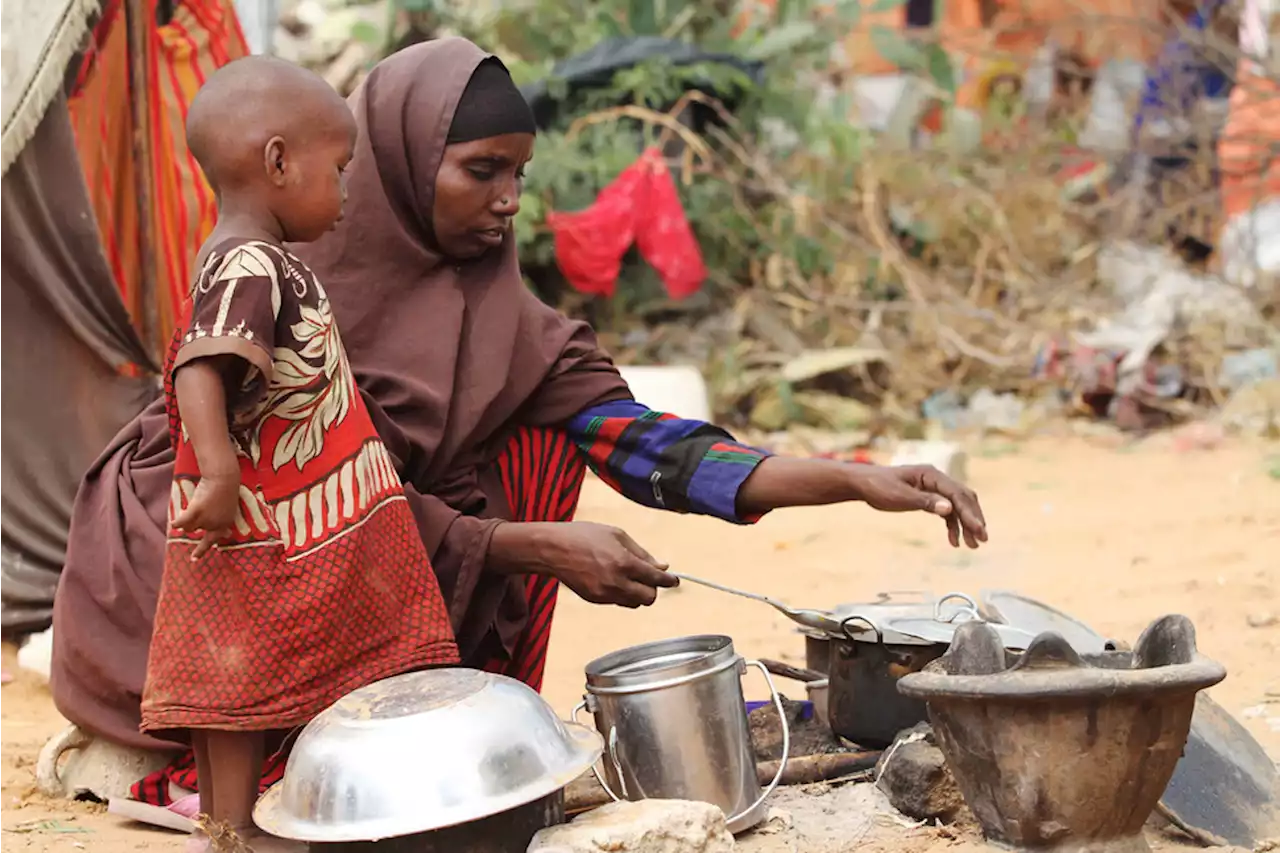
point(248, 102)
point(273, 140)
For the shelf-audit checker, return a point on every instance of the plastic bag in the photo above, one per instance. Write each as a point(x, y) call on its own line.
point(640, 206)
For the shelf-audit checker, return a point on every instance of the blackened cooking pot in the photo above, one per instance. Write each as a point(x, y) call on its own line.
point(865, 661)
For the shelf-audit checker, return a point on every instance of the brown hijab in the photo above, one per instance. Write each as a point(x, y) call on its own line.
point(451, 356)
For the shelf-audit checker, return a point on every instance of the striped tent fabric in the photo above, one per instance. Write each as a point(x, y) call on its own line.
point(199, 37)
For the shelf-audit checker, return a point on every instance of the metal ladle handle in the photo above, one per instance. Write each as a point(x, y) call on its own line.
point(612, 743)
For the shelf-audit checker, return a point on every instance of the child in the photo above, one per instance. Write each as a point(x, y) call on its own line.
point(294, 572)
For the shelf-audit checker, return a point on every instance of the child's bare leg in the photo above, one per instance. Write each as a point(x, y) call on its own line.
point(235, 761)
point(199, 841)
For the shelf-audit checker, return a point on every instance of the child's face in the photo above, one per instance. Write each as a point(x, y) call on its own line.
point(312, 194)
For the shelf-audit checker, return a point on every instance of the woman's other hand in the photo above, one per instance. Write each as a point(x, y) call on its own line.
point(910, 488)
point(602, 564)
point(783, 482)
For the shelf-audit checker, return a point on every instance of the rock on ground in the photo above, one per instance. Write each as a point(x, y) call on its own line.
point(648, 826)
point(914, 775)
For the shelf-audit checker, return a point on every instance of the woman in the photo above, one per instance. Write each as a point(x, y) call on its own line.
point(490, 403)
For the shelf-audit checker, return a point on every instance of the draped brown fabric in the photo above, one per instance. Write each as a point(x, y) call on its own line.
point(452, 354)
point(450, 357)
point(66, 336)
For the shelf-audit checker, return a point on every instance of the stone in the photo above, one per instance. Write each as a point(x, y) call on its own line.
point(915, 777)
point(647, 826)
point(36, 654)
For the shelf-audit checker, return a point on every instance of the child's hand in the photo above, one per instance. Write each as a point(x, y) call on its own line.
point(213, 510)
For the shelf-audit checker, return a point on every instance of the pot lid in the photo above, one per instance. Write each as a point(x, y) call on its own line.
point(938, 631)
point(867, 622)
point(1035, 617)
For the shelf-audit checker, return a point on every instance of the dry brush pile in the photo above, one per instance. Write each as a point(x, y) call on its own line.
point(874, 268)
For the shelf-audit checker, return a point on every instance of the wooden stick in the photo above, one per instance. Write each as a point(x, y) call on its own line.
point(807, 769)
point(786, 670)
point(585, 793)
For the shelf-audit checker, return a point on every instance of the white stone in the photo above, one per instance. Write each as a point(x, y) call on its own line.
point(680, 390)
point(36, 654)
point(948, 457)
point(648, 826)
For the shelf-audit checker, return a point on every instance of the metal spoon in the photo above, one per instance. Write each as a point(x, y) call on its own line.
point(820, 620)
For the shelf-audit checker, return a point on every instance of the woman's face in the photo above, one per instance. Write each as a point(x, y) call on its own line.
point(478, 193)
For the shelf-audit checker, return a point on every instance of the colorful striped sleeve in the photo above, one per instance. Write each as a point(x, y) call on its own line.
point(665, 462)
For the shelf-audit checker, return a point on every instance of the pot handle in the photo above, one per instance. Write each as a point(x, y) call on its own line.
point(844, 627)
point(610, 749)
point(786, 741)
point(48, 779)
point(971, 609)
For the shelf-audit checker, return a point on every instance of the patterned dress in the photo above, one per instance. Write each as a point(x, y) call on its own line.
point(324, 585)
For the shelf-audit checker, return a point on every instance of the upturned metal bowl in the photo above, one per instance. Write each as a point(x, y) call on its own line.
point(420, 752)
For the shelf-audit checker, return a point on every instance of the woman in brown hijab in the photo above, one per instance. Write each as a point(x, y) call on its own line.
point(491, 403)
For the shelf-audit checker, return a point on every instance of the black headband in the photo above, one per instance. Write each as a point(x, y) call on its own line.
point(491, 105)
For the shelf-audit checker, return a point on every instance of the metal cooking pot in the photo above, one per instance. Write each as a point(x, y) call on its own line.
point(865, 661)
point(675, 725)
point(863, 703)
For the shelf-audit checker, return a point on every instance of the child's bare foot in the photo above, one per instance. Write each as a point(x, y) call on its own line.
point(223, 838)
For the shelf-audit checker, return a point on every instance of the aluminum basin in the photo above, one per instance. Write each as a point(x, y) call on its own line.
point(420, 752)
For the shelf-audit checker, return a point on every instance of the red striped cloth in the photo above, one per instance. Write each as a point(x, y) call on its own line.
point(200, 37)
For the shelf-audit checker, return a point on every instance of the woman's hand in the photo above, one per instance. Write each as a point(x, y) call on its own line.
point(602, 564)
point(782, 482)
point(910, 488)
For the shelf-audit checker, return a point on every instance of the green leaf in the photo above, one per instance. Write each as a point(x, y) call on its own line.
point(938, 64)
point(642, 18)
point(783, 39)
point(609, 24)
point(896, 48)
point(885, 5)
point(368, 33)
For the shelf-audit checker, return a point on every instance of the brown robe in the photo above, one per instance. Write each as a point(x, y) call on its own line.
point(449, 356)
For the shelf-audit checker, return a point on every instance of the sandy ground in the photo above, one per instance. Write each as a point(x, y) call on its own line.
point(1116, 536)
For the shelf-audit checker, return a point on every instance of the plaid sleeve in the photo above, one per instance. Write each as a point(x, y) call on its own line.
point(665, 462)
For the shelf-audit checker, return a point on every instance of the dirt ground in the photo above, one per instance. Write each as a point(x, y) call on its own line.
point(1115, 535)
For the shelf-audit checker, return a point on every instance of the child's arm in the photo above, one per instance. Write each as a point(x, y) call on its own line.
point(200, 386)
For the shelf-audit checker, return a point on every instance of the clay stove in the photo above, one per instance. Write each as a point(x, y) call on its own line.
point(1058, 751)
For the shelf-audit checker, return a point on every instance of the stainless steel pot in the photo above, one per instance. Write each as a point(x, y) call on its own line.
point(864, 662)
point(675, 725)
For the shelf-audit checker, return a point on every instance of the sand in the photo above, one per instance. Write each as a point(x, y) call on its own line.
point(1114, 535)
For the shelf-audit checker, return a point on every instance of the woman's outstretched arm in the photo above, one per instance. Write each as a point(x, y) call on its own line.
point(671, 463)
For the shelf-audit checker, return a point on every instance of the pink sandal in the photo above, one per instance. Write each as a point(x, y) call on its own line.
point(178, 815)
